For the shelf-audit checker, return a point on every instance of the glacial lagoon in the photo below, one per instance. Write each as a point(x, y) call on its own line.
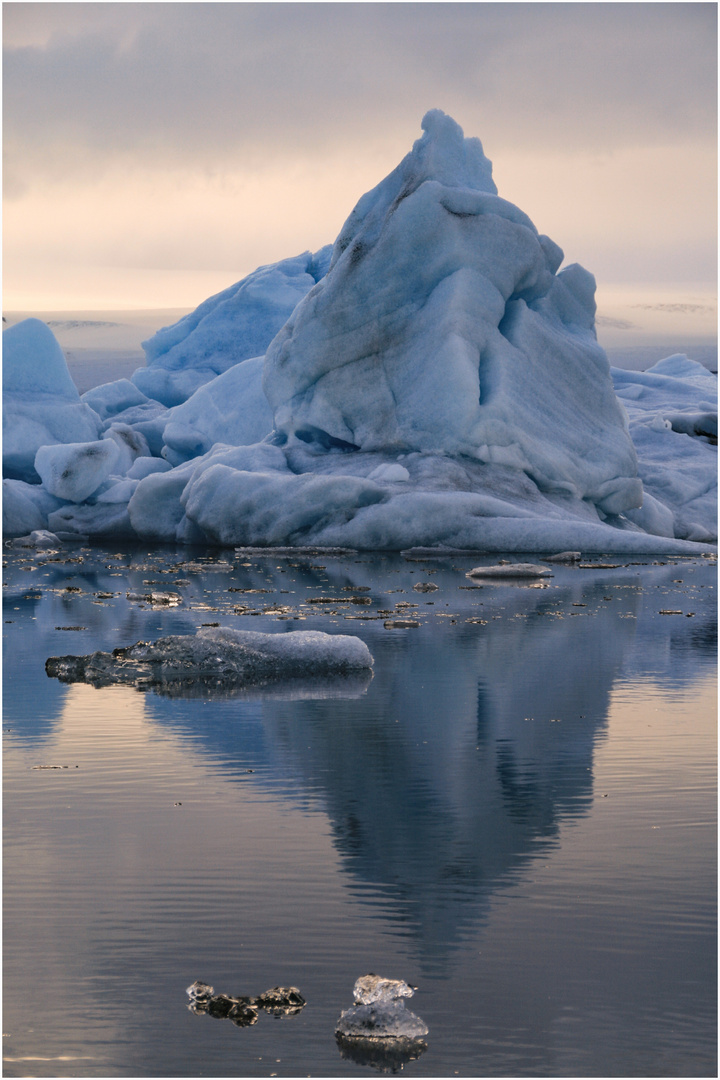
point(515, 814)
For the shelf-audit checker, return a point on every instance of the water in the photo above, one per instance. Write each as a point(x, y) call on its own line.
point(517, 817)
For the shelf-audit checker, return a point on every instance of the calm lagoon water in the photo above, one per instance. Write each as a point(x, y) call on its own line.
point(516, 815)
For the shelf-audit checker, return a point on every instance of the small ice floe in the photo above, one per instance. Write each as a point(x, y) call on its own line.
point(564, 557)
point(510, 570)
point(293, 552)
point(243, 1010)
point(39, 539)
point(379, 1011)
point(218, 658)
point(425, 586)
point(169, 599)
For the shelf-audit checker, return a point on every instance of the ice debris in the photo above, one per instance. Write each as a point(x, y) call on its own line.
point(379, 1011)
point(370, 988)
point(243, 1010)
point(39, 539)
point(510, 570)
point(564, 557)
point(218, 657)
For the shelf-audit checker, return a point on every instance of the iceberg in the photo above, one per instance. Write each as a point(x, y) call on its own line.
point(432, 380)
point(226, 329)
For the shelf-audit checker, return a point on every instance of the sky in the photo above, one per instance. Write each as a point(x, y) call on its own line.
point(155, 153)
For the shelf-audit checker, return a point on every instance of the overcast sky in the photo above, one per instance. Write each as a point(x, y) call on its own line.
point(155, 153)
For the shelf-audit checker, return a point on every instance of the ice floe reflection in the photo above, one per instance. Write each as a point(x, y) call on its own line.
point(466, 752)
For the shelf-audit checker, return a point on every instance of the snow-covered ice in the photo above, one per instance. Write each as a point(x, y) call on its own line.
point(433, 379)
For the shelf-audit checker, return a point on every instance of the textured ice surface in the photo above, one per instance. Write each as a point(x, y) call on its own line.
point(370, 988)
point(381, 1020)
point(41, 405)
point(243, 1010)
point(231, 409)
point(672, 409)
point(379, 1011)
point(443, 326)
point(232, 326)
point(113, 398)
point(39, 539)
point(75, 470)
point(218, 656)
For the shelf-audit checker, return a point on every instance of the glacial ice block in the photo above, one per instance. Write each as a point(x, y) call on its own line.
point(381, 1020)
point(224, 330)
point(443, 326)
point(41, 405)
point(379, 1011)
point(75, 470)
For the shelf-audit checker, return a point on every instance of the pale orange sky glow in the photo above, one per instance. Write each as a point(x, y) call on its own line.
point(155, 153)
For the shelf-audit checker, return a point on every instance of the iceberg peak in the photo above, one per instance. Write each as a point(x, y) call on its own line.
point(447, 156)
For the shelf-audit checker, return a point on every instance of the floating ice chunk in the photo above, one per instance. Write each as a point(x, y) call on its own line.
point(154, 597)
point(370, 988)
point(40, 539)
point(381, 1020)
point(243, 1010)
point(75, 470)
point(217, 656)
point(41, 405)
point(669, 406)
point(510, 570)
point(564, 557)
point(34, 363)
point(379, 1011)
point(390, 473)
point(280, 1000)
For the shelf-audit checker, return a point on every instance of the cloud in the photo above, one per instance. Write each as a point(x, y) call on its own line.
point(224, 83)
point(210, 137)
